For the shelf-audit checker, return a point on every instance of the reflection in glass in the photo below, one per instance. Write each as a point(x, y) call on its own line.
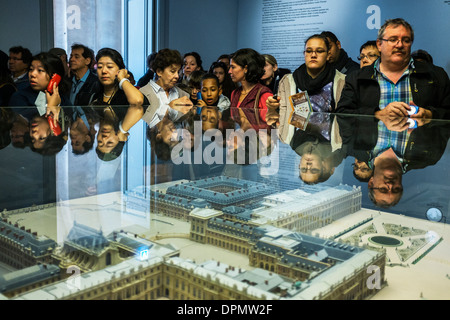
point(238, 181)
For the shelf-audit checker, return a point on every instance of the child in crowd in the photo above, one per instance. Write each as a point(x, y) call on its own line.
point(194, 85)
point(213, 102)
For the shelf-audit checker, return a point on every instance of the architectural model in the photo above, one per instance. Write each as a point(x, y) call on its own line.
point(272, 229)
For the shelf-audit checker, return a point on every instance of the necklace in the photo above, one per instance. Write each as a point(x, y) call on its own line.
point(246, 93)
point(112, 94)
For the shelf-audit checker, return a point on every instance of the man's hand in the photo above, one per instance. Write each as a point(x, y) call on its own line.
point(400, 124)
point(423, 114)
point(394, 109)
point(183, 104)
point(397, 124)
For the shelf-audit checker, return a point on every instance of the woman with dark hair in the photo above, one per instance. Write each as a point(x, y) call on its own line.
point(124, 105)
point(43, 67)
point(220, 70)
point(165, 98)
point(116, 88)
point(168, 103)
point(191, 62)
point(248, 102)
point(48, 124)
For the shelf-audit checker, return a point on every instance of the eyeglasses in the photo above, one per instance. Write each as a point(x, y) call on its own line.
point(395, 41)
point(317, 51)
point(362, 169)
point(312, 170)
point(386, 190)
point(369, 56)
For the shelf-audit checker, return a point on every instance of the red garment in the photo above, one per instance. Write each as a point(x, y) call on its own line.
point(248, 106)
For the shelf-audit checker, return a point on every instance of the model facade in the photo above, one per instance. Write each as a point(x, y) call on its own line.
point(272, 229)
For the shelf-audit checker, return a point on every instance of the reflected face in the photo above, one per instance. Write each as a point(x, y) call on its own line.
point(39, 132)
point(187, 139)
point(79, 134)
point(368, 56)
point(39, 78)
point(210, 92)
point(168, 78)
point(315, 55)
point(361, 169)
point(168, 133)
point(395, 53)
point(18, 131)
point(237, 73)
point(386, 184)
point(210, 118)
point(107, 71)
point(190, 65)
point(107, 139)
point(311, 168)
point(220, 74)
point(269, 71)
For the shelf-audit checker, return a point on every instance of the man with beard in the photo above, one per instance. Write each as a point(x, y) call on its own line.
point(396, 81)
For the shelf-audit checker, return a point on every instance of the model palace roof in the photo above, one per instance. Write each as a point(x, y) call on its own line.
point(38, 245)
point(240, 190)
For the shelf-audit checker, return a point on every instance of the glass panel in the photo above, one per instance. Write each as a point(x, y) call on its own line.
point(136, 32)
point(94, 23)
point(329, 209)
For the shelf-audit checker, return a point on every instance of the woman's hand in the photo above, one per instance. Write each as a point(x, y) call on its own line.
point(273, 102)
point(183, 104)
point(123, 137)
point(122, 74)
point(53, 103)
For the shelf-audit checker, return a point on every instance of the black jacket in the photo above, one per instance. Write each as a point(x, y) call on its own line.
point(345, 64)
point(89, 87)
point(430, 87)
point(425, 147)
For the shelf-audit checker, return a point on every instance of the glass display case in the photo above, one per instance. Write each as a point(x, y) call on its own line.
point(204, 208)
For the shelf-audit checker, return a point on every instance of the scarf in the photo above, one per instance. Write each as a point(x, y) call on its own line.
point(305, 82)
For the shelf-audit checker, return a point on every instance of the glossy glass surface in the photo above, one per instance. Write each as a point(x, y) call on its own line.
point(52, 191)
